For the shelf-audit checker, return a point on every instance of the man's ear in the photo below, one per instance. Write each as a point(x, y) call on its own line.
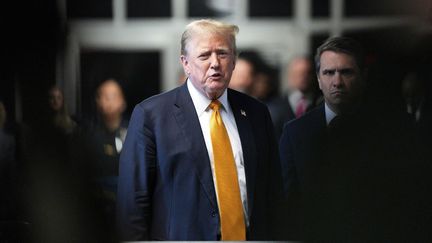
point(319, 81)
point(185, 63)
point(183, 60)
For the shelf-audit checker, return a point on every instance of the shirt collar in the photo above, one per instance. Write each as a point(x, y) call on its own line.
point(295, 96)
point(201, 102)
point(329, 114)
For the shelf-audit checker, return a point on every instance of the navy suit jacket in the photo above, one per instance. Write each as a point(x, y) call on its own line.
point(301, 144)
point(282, 112)
point(166, 189)
point(339, 182)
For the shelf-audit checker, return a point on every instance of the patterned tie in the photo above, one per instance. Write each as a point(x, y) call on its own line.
point(228, 190)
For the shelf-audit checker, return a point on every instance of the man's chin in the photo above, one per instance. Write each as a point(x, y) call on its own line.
point(214, 93)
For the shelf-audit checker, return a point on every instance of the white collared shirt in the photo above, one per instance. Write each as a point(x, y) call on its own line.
point(201, 103)
point(329, 114)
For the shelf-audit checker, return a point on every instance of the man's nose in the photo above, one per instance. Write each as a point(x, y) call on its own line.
point(338, 80)
point(214, 61)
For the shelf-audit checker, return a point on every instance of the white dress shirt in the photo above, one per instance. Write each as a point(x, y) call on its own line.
point(204, 112)
point(329, 114)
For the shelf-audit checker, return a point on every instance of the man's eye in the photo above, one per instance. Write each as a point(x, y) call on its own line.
point(347, 72)
point(203, 56)
point(328, 72)
point(223, 54)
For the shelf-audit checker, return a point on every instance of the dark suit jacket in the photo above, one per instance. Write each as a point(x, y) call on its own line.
point(282, 112)
point(299, 145)
point(344, 185)
point(166, 189)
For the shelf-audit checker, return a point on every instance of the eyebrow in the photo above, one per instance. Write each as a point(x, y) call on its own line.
point(217, 49)
point(338, 70)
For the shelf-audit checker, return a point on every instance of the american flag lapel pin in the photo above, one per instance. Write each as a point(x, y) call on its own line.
point(243, 112)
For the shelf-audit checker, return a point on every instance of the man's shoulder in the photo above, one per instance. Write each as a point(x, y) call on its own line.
point(244, 99)
point(159, 101)
point(313, 118)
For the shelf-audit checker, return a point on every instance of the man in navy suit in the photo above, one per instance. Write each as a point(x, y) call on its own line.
point(167, 188)
point(325, 154)
point(345, 174)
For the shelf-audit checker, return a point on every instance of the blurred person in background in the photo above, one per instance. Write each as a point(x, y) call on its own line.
point(7, 141)
point(301, 96)
point(253, 76)
point(302, 91)
point(245, 71)
point(262, 88)
point(265, 88)
point(417, 108)
point(108, 128)
point(11, 227)
point(105, 136)
point(60, 118)
point(7, 169)
point(414, 93)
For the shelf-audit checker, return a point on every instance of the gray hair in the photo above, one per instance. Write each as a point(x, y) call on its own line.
point(209, 26)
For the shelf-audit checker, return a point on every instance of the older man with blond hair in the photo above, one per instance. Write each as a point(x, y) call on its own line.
point(198, 159)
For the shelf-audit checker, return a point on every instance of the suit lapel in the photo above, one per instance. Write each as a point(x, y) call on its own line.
point(318, 120)
point(314, 135)
point(188, 122)
point(245, 131)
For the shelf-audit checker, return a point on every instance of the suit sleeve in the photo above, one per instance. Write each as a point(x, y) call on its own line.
point(274, 163)
point(274, 187)
point(136, 176)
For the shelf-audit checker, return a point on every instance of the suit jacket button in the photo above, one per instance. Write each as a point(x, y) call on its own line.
point(213, 214)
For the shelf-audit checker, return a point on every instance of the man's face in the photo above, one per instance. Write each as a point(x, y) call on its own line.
point(339, 79)
point(55, 100)
point(300, 75)
point(110, 100)
point(209, 63)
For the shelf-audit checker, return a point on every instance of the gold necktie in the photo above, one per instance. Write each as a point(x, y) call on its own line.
point(228, 190)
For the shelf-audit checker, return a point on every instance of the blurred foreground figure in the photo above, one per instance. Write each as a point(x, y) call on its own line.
point(198, 161)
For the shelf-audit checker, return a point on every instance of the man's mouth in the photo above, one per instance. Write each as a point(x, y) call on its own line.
point(338, 92)
point(216, 76)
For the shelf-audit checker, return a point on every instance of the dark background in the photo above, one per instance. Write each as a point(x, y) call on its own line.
point(33, 33)
point(130, 69)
